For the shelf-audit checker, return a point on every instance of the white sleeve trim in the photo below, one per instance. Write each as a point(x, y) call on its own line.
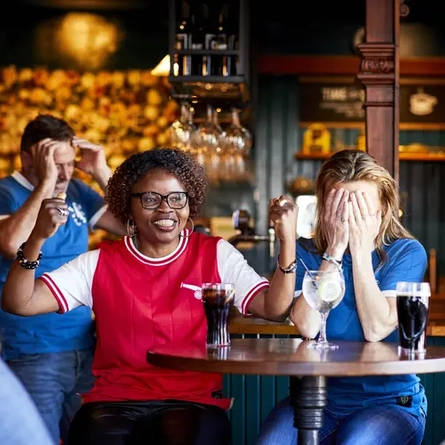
point(97, 216)
point(233, 268)
point(389, 293)
point(2, 217)
point(71, 284)
point(57, 293)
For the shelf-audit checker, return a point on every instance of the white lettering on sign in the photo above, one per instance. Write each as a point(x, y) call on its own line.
point(343, 100)
point(342, 94)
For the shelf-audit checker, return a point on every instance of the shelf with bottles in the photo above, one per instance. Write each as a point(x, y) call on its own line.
point(208, 45)
point(437, 154)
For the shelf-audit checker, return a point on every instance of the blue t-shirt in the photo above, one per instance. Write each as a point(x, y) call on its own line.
point(405, 261)
point(50, 332)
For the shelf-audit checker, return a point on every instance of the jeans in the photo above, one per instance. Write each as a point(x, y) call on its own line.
point(164, 422)
point(54, 382)
point(380, 424)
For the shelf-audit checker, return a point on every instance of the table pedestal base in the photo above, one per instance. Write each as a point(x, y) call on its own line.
point(308, 398)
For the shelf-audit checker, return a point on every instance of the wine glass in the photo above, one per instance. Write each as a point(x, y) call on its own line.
point(236, 144)
point(182, 129)
point(323, 291)
point(205, 143)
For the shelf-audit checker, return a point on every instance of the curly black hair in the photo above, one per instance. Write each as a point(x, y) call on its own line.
point(189, 172)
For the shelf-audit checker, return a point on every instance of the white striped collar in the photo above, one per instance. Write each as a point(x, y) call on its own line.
point(22, 180)
point(183, 242)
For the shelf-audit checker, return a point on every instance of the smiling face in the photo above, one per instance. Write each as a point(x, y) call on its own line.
point(160, 226)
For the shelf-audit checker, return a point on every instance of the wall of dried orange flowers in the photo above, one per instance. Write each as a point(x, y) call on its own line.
point(125, 111)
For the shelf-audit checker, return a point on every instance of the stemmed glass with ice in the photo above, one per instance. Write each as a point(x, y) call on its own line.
point(323, 291)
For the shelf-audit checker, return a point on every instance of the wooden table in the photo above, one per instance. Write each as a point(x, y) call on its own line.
point(307, 368)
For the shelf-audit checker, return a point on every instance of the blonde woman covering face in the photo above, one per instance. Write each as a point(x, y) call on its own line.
point(358, 229)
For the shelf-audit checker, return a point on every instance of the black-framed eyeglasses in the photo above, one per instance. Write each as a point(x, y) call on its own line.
point(152, 200)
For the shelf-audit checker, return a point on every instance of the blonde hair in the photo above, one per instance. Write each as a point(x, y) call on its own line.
point(355, 165)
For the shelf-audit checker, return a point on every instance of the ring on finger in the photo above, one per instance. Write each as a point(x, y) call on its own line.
point(342, 219)
point(62, 212)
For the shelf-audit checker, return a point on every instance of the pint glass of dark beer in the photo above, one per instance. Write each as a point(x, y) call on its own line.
point(218, 299)
point(412, 311)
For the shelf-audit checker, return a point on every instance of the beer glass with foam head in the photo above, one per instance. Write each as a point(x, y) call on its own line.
point(412, 312)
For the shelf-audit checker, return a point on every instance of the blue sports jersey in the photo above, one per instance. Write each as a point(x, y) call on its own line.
point(405, 261)
point(50, 332)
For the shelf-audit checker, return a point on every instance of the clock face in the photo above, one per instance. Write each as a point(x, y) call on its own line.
point(359, 37)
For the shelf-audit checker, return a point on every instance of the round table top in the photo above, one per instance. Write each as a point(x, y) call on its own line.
point(274, 356)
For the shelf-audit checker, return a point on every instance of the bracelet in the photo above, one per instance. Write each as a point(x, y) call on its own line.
point(26, 263)
point(292, 267)
point(331, 259)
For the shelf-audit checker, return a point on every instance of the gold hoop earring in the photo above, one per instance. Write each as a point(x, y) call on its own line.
point(189, 231)
point(131, 228)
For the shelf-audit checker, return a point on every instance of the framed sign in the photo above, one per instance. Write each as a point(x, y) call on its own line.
point(337, 101)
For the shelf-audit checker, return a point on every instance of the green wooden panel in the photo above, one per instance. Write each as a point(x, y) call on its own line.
point(435, 392)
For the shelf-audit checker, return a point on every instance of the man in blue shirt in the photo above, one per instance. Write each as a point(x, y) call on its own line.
point(52, 354)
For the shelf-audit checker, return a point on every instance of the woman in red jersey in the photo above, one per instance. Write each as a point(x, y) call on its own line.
point(143, 290)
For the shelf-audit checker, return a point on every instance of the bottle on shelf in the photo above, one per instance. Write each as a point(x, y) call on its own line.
point(197, 38)
point(182, 65)
point(227, 40)
point(220, 38)
point(208, 63)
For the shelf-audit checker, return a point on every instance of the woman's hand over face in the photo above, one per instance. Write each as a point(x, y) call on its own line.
point(336, 221)
point(283, 214)
point(364, 223)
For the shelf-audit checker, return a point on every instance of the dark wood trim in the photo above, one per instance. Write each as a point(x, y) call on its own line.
point(403, 156)
point(292, 64)
point(341, 80)
point(343, 65)
point(361, 125)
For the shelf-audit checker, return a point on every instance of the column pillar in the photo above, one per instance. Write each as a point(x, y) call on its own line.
point(379, 74)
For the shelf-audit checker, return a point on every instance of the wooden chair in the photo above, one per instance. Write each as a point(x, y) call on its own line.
point(432, 272)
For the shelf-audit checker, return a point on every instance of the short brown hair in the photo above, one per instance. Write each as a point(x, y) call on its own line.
point(45, 126)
